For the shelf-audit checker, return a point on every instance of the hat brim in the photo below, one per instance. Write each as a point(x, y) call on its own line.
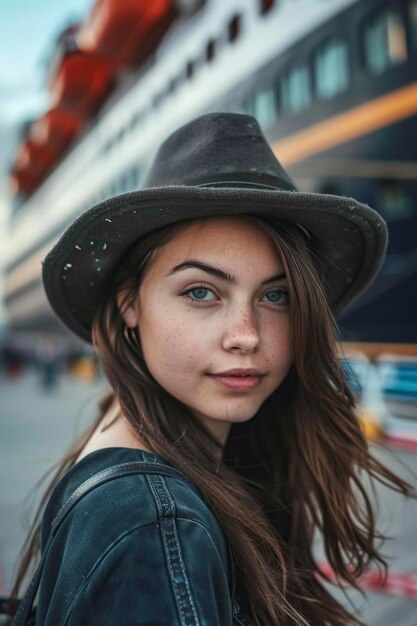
point(349, 238)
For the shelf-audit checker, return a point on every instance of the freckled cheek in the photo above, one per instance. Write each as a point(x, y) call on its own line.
point(277, 337)
point(165, 336)
point(280, 358)
point(276, 327)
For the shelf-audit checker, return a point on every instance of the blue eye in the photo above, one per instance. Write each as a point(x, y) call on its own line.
point(277, 296)
point(200, 294)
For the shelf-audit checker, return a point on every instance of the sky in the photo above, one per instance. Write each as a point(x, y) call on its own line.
point(28, 29)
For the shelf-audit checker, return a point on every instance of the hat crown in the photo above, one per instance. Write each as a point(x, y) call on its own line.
point(218, 148)
point(218, 164)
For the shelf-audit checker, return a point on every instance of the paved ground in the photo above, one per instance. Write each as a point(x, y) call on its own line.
point(36, 428)
point(397, 517)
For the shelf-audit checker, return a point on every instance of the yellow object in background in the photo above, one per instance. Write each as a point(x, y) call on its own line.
point(84, 368)
point(369, 425)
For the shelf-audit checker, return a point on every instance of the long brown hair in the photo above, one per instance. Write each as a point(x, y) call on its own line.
point(300, 461)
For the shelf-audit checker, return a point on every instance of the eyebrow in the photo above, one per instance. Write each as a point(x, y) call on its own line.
point(218, 273)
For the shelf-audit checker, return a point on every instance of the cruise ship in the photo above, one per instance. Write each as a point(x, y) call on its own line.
point(333, 85)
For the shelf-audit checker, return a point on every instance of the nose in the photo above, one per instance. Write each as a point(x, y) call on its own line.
point(241, 333)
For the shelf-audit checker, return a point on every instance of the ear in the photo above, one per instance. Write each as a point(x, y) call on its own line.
point(129, 313)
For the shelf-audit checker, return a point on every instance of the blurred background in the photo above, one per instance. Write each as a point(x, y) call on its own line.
point(90, 88)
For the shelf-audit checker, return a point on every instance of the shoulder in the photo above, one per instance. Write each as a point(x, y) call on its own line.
point(145, 494)
point(145, 529)
point(138, 499)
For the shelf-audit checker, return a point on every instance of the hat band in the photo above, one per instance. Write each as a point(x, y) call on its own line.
point(246, 180)
point(236, 183)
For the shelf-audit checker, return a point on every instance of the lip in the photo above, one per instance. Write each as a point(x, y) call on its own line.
point(240, 371)
point(238, 379)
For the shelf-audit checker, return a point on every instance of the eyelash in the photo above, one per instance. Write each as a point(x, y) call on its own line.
point(190, 289)
point(187, 291)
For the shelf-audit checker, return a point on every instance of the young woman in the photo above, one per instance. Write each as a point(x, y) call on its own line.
point(209, 296)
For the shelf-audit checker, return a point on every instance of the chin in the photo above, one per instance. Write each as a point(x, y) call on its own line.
point(235, 414)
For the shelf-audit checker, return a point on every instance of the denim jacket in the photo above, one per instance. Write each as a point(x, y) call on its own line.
point(140, 550)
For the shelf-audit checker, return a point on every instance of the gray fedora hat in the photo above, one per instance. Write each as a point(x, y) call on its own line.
point(217, 164)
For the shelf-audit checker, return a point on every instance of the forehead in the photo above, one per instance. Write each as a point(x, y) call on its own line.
point(228, 239)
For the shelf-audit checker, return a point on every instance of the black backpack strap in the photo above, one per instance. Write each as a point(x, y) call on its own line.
point(110, 473)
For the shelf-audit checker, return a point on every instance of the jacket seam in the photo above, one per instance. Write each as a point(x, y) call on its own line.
point(182, 562)
point(119, 465)
point(165, 522)
point(104, 554)
point(193, 521)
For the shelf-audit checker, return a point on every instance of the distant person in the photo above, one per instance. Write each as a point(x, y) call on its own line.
point(48, 360)
point(11, 362)
point(229, 433)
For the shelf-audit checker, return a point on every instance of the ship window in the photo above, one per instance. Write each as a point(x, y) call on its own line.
point(295, 89)
point(157, 99)
point(413, 23)
point(394, 202)
point(262, 106)
point(331, 66)
point(210, 50)
point(190, 69)
point(134, 177)
point(234, 28)
point(248, 106)
point(384, 41)
point(175, 82)
point(136, 119)
point(265, 6)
